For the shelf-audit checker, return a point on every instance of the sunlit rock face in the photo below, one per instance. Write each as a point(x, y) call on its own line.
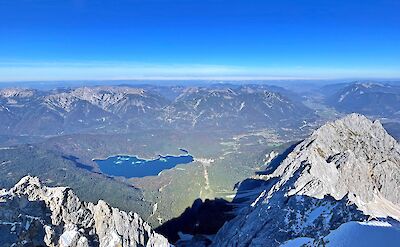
point(32, 214)
point(347, 170)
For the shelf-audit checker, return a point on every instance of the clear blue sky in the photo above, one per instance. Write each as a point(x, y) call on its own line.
point(122, 39)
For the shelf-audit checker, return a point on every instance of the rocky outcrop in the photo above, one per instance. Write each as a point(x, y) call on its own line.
point(347, 170)
point(32, 214)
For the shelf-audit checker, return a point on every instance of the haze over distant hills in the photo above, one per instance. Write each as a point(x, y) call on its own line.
point(199, 123)
point(235, 133)
point(123, 108)
point(369, 98)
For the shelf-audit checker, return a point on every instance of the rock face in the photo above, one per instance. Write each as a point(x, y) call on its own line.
point(347, 170)
point(32, 214)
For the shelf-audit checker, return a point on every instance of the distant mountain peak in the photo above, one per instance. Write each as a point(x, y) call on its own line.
point(369, 98)
point(369, 84)
point(16, 92)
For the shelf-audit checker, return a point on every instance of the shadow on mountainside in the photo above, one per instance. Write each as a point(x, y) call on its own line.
point(278, 160)
point(207, 217)
point(78, 164)
point(249, 189)
point(202, 218)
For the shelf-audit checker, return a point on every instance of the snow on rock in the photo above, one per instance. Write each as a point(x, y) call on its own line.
point(355, 234)
point(102, 96)
point(351, 156)
point(70, 238)
point(297, 242)
point(345, 171)
point(365, 234)
point(269, 157)
point(16, 92)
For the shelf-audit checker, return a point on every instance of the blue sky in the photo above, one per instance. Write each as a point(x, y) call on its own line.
point(130, 39)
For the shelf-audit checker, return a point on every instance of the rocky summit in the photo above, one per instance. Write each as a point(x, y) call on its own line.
point(347, 170)
point(32, 214)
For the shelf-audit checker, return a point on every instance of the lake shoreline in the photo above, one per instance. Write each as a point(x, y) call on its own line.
point(132, 166)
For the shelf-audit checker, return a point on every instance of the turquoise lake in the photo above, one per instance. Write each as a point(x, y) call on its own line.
point(134, 167)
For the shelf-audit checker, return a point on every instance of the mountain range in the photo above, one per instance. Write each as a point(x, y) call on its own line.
point(123, 109)
point(335, 188)
point(369, 98)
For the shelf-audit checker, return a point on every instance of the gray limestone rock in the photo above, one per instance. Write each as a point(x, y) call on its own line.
point(32, 214)
point(347, 170)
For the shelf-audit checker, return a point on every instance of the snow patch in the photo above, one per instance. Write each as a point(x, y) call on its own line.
point(68, 238)
point(365, 234)
point(297, 242)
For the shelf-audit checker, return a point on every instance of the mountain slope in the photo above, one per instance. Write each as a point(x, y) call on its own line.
point(345, 171)
point(235, 108)
point(367, 98)
point(32, 214)
point(121, 109)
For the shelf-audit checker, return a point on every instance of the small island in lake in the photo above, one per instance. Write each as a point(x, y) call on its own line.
point(134, 167)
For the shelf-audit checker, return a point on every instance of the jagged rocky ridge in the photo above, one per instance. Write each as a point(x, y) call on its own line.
point(119, 109)
point(234, 108)
point(347, 170)
point(32, 214)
